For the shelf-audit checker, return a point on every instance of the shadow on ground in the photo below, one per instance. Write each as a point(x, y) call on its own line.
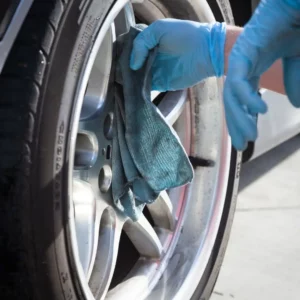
point(253, 170)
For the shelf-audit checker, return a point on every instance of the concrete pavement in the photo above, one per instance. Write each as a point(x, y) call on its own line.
point(262, 261)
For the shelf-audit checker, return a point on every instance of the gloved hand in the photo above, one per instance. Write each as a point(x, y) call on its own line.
point(188, 52)
point(272, 33)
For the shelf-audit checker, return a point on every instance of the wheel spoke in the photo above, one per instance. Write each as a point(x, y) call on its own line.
point(85, 216)
point(107, 252)
point(86, 150)
point(161, 211)
point(124, 20)
point(172, 105)
point(96, 91)
point(143, 237)
point(101, 206)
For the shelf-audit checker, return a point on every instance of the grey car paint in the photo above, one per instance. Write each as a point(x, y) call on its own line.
point(280, 123)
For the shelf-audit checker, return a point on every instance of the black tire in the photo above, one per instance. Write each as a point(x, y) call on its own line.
point(35, 115)
point(208, 281)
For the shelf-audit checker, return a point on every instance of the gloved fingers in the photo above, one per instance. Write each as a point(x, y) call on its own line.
point(159, 81)
point(145, 41)
point(291, 71)
point(245, 85)
point(249, 97)
point(139, 55)
point(245, 122)
point(168, 73)
point(239, 116)
point(161, 72)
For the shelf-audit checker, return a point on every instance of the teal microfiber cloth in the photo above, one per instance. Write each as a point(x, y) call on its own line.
point(147, 154)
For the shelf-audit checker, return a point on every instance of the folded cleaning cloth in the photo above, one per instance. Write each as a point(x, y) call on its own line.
point(147, 154)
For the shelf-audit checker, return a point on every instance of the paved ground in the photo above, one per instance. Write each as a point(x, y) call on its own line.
point(263, 257)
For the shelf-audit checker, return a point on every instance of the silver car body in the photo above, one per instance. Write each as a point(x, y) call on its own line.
point(278, 125)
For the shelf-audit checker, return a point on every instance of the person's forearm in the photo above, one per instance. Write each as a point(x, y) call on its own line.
point(272, 79)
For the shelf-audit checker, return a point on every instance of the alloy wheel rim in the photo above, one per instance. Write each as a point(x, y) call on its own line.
point(95, 225)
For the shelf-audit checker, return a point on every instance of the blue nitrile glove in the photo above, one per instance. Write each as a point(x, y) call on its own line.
point(272, 33)
point(188, 52)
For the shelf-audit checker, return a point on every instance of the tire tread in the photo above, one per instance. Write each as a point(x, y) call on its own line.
point(20, 84)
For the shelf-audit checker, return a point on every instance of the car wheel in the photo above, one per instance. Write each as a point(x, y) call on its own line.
point(61, 237)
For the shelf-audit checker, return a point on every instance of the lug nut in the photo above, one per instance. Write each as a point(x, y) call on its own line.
point(108, 126)
point(105, 178)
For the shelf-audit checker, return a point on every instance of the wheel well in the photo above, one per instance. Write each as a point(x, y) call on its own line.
point(241, 10)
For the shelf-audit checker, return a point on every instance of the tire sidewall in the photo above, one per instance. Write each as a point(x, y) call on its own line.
point(55, 274)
